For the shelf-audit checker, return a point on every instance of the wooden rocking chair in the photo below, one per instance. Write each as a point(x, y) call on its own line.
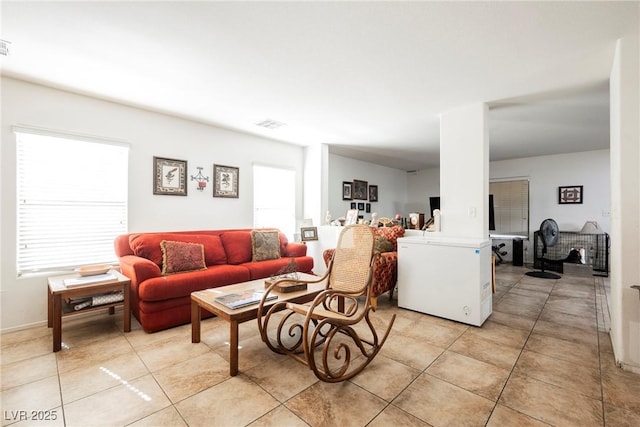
point(324, 334)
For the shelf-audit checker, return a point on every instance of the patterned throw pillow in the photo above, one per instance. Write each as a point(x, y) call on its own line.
point(382, 244)
point(390, 233)
point(265, 245)
point(179, 257)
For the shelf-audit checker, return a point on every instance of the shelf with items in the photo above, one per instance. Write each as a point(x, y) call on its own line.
point(60, 296)
point(92, 302)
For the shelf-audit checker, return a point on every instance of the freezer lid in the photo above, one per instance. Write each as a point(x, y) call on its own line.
point(446, 241)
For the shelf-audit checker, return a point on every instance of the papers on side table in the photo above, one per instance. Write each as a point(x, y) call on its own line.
point(90, 280)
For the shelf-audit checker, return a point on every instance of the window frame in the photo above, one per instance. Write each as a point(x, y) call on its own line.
point(290, 230)
point(39, 214)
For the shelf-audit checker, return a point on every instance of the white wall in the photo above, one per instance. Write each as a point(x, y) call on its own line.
point(625, 202)
point(149, 134)
point(421, 185)
point(546, 173)
point(392, 186)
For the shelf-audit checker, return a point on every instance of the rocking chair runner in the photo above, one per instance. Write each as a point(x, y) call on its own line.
point(323, 334)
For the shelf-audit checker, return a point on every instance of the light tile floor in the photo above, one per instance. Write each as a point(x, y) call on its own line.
point(542, 358)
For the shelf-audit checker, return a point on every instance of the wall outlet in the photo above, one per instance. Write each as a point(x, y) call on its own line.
point(472, 212)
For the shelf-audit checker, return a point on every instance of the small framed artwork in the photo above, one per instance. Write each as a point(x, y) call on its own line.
point(360, 190)
point(571, 195)
point(360, 206)
point(225, 181)
point(367, 208)
point(309, 233)
point(352, 217)
point(353, 205)
point(373, 193)
point(347, 190)
point(169, 176)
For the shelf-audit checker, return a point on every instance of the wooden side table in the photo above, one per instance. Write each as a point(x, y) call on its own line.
point(57, 292)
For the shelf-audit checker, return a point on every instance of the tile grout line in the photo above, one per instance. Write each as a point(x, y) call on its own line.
point(521, 351)
point(597, 299)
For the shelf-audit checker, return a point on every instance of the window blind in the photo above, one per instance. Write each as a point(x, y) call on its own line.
point(71, 201)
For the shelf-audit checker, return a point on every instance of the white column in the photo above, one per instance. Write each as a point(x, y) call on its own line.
point(625, 203)
point(464, 172)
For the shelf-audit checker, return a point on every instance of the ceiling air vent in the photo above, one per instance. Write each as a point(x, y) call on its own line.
point(270, 124)
point(4, 47)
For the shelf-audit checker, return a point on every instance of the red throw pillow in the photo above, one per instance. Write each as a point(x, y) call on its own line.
point(180, 257)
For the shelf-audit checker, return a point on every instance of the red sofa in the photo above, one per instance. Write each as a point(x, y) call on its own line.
point(160, 301)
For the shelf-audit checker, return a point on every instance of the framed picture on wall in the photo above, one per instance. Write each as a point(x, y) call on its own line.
point(169, 176)
point(347, 190)
point(354, 205)
point(225, 181)
point(571, 195)
point(373, 193)
point(360, 206)
point(360, 190)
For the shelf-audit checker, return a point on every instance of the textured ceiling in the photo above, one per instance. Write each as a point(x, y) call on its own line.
point(368, 78)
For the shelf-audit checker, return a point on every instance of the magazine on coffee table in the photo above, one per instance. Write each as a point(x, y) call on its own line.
point(243, 298)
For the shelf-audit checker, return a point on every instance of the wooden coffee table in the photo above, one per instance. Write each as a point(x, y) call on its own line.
point(205, 300)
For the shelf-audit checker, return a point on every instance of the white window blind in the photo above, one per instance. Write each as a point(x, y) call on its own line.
point(511, 206)
point(71, 201)
point(274, 199)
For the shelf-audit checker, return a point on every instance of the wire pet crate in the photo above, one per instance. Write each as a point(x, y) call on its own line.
point(574, 248)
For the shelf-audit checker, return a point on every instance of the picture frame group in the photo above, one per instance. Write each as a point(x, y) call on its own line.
point(359, 190)
point(170, 178)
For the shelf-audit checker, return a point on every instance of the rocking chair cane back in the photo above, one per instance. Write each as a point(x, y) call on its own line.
point(324, 333)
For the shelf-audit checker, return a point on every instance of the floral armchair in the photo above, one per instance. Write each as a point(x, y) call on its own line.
point(385, 272)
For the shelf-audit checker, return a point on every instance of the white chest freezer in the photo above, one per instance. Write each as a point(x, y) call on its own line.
point(445, 277)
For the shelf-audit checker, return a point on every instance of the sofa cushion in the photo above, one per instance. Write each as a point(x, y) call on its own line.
point(294, 249)
point(237, 245)
point(181, 285)
point(284, 242)
point(265, 245)
point(178, 257)
point(147, 245)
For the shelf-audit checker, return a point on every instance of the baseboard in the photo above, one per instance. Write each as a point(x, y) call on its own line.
point(23, 327)
point(628, 367)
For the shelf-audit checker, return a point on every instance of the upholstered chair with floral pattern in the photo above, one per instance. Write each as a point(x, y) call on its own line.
point(385, 269)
